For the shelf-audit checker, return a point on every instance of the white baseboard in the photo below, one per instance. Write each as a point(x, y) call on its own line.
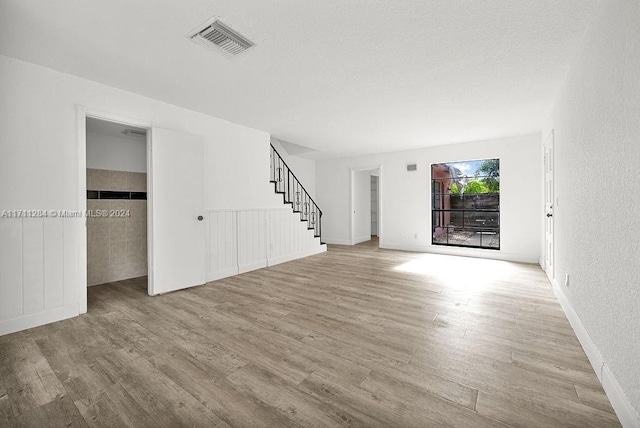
point(222, 273)
point(336, 241)
point(252, 266)
point(628, 416)
point(594, 356)
point(403, 247)
point(289, 257)
point(459, 251)
point(35, 320)
point(360, 239)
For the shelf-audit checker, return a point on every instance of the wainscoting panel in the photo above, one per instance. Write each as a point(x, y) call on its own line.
point(10, 268)
point(243, 240)
point(252, 240)
point(53, 263)
point(72, 228)
point(289, 238)
point(40, 258)
point(33, 264)
point(39, 270)
point(222, 244)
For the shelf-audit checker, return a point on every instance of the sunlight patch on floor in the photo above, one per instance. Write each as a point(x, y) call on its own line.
point(459, 273)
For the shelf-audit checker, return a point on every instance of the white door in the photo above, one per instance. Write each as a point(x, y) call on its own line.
point(548, 206)
point(361, 207)
point(177, 258)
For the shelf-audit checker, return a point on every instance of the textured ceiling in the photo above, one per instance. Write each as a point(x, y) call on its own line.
point(344, 77)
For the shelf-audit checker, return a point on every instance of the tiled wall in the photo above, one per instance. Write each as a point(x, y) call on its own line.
point(116, 246)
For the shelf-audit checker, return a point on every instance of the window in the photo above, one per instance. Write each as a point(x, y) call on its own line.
point(466, 204)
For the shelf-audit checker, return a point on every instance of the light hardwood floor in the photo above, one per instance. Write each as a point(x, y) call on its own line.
point(353, 337)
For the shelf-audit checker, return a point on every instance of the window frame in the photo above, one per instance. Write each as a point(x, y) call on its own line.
point(441, 211)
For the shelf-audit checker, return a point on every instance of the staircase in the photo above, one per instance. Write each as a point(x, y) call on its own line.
point(294, 193)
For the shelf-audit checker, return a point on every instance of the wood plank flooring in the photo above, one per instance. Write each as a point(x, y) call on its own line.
point(353, 337)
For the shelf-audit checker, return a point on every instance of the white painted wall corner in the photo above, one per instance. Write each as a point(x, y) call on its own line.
point(629, 418)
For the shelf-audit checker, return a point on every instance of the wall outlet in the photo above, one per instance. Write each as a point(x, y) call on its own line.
point(566, 280)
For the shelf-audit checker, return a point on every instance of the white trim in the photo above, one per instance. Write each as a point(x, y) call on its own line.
point(380, 206)
point(82, 205)
point(594, 356)
point(252, 266)
point(289, 257)
point(460, 252)
point(150, 259)
point(629, 418)
point(222, 273)
point(336, 241)
point(41, 318)
point(549, 269)
point(361, 239)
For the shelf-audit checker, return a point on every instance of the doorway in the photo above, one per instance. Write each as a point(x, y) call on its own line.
point(366, 213)
point(375, 207)
point(175, 216)
point(116, 206)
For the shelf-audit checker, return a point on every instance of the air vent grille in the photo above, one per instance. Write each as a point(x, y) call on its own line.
point(222, 38)
point(134, 132)
point(412, 167)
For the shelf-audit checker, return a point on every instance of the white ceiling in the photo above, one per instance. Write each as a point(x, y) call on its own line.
point(344, 77)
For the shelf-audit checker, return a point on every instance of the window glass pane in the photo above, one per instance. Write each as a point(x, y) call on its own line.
point(466, 203)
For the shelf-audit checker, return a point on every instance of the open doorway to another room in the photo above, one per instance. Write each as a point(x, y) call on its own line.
point(365, 206)
point(375, 207)
point(116, 177)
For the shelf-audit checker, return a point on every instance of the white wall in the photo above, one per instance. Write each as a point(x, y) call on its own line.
point(116, 153)
point(405, 208)
point(361, 206)
point(40, 269)
point(596, 123)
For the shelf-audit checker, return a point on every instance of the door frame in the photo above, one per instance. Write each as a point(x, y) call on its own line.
point(377, 175)
point(547, 149)
point(83, 113)
point(352, 172)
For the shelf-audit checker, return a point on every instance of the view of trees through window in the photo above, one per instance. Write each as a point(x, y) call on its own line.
point(466, 203)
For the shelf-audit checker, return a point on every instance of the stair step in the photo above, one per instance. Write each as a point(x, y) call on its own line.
point(296, 207)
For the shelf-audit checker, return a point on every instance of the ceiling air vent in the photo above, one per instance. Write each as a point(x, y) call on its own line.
point(221, 38)
point(412, 167)
point(135, 132)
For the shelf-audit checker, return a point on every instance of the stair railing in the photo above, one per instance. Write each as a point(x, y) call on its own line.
point(294, 193)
